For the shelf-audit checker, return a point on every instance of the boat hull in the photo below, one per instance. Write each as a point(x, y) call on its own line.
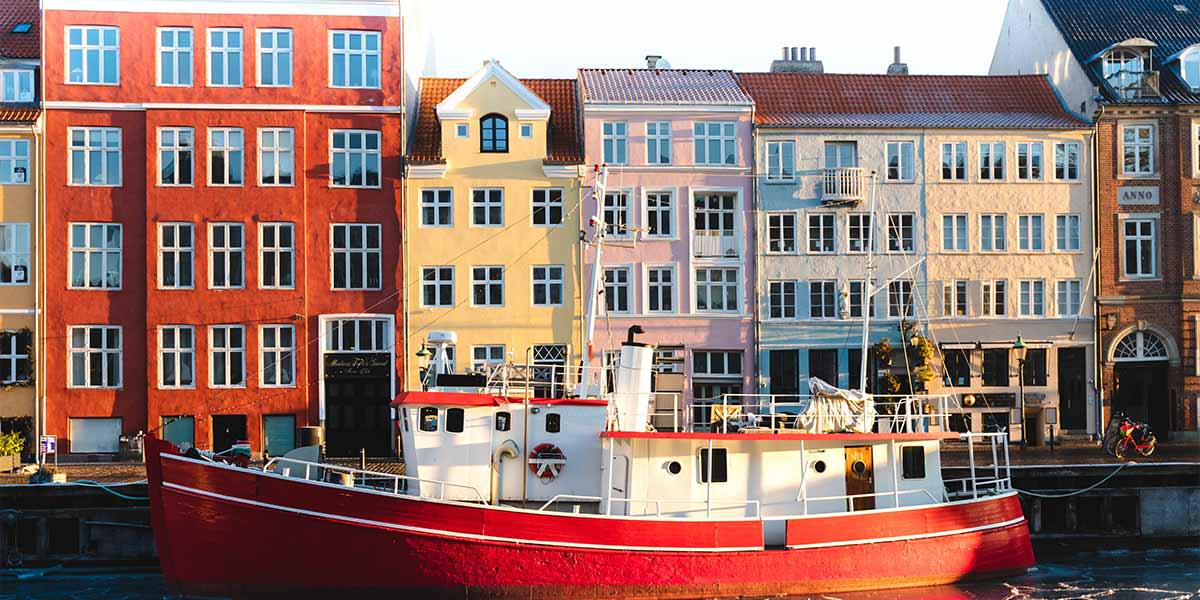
point(227, 532)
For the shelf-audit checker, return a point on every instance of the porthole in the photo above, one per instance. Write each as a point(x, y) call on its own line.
point(859, 467)
point(674, 467)
point(819, 466)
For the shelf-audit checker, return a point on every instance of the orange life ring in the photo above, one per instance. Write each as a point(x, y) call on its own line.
point(547, 461)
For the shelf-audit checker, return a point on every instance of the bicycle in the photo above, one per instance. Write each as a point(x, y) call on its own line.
point(1125, 435)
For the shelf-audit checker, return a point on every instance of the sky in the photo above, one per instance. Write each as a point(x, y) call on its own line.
point(552, 38)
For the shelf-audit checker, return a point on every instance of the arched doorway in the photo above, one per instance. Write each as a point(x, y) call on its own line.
point(1140, 362)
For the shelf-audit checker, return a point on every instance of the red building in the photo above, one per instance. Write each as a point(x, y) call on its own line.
point(223, 224)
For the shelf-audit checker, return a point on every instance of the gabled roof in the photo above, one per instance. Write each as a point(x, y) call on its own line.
point(20, 45)
point(1091, 27)
point(662, 86)
point(564, 146)
point(537, 108)
point(906, 101)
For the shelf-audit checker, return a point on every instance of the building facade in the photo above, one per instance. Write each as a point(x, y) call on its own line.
point(678, 257)
point(1134, 68)
point(492, 235)
point(222, 243)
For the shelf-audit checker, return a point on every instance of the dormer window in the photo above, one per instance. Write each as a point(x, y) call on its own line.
point(493, 133)
point(16, 85)
point(1189, 67)
point(1127, 71)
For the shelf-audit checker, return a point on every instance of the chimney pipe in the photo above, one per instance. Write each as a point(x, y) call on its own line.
point(803, 53)
point(896, 55)
point(652, 60)
point(794, 50)
point(785, 53)
point(812, 53)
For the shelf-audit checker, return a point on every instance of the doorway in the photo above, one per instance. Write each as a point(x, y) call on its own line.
point(860, 477)
point(357, 416)
point(1072, 388)
point(1141, 393)
point(785, 375)
point(227, 431)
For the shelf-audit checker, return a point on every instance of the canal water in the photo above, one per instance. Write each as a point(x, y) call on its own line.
point(1116, 574)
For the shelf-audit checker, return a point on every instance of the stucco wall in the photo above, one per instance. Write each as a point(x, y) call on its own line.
point(18, 204)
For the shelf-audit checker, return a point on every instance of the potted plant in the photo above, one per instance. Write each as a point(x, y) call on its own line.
point(11, 444)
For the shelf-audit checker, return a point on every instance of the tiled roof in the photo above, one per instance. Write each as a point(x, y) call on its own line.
point(20, 45)
point(1089, 27)
point(563, 140)
point(902, 101)
point(22, 113)
point(661, 86)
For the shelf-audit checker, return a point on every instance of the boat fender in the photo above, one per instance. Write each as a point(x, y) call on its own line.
point(547, 462)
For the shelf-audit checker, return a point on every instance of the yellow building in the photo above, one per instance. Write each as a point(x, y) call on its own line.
point(491, 241)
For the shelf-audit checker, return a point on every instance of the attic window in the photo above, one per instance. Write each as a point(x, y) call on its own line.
point(22, 27)
point(1181, 8)
point(1189, 67)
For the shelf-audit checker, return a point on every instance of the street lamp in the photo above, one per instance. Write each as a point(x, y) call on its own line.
point(1019, 349)
point(423, 366)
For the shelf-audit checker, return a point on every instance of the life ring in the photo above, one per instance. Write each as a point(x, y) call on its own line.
point(547, 461)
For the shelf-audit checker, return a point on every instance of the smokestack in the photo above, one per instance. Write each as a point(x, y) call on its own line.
point(897, 67)
point(812, 54)
point(793, 56)
point(785, 53)
point(652, 61)
point(798, 59)
point(802, 56)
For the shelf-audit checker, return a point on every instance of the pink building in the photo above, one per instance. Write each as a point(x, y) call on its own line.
point(679, 256)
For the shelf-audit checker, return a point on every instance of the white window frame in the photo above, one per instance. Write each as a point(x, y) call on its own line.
point(1153, 220)
point(912, 217)
point(11, 351)
point(276, 254)
point(654, 290)
point(14, 155)
point(851, 306)
point(658, 136)
point(488, 358)
point(994, 297)
point(725, 135)
point(993, 167)
point(462, 130)
point(1191, 56)
point(896, 148)
point(438, 283)
point(20, 82)
point(1027, 241)
point(226, 254)
point(1069, 291)
point(526, 130)
point(901, 310)
point(618, 215)
point(826, 223)
point(778, 306)
point(1064, 226)
point(959, 233)
point(91, 252)
point(612, 287)
point(84, 47)
point(86, 352)
point(546, 204)
point(1150, 166)
point(988, 232)
point(782, 228)
point(279, 353)
point(855, 226)
point(224, 50)
point(487, 202)
point(442, 198)
point(488, 281)
point(170, 54)
point(654, 215)
point(957, 151)
point(1034, 167)
point(723, 286)
point(1065, 151)
point(15, 249)
point(231, 355)
point(362, 51)
point(177, 355)
point(1031, 298)
point(828, 290)
point(178, 150)
point(276, 151)
point(544, 276)
point(231, 153)
point(103, 145)
point(367, 157)
point(177, 252)
point(274, 52)
point(614, 142)
point(956, 303)
point(366, 250)
point(781, 161)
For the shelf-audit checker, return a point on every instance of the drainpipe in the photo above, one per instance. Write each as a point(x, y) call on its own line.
point(507, 449)
point(39, 383)
point(756, 338)
point(1097, 317)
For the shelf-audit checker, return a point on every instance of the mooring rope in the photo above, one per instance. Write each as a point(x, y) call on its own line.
point(97, 484)
point(1077, 492)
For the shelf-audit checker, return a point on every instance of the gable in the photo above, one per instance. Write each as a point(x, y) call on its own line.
point(488, 90)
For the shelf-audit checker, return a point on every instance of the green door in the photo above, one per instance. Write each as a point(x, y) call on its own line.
point(280, 431)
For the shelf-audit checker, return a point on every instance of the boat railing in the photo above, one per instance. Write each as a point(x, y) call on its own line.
point(374, 480)
point(750, 505)
point(1000, 479)
point(893, 413)
point(803, 498)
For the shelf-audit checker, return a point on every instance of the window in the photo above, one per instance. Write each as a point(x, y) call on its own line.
point(782, 298)
point(15, 348)
point(226, 255)
point(175, 155)
point(660, 215)
point(493, 133)
point(278, 346)
point(781, 161)
point(841, 155)
point(954, 233)
point(1029, 161)
point(718, 470)
point(617, 217)
point(995, 298)
point(1066, 161)
point(548, 285)
point(1033, 372)
point(660, 284)
point(275, 162)
point(820, 234)
point(14, 253)
point(860, 233)
point(717, 363)
point(487, 286)
point(548, 207)
point(225, 156)
point(1069, 294)
point(995, 367)
point(437, 287)
point(429, 419)
point(822, 299)
point(658, 143)
point(95, 156)
point(96, 256)
point(553, 422)
point(1033, 298)
point(912, 460)
point(437, 208)
point(1139, 248)
point(900, 161)
point(900, 299)
point(954, 161)
point(176, 356)
point(356, 156)
point(16, 85)
point(954, 298)
point(356, 257)
point(355, 59)
point(614, 141)
point(274, 57)
point(993, 233)
point(1030, 233)
point(454, 420)
point(958, 367)
point(781, 233)
point(277, 256)
point(487, 207)
point(14, 162)
point(1125, 70)
point(175, 256)
point(1137, 150)
point(714, 218)
point(991, 161)
point(714, 143)
point(225, 57)
point(93, 55)
point(462, 130)
point(900, 233)
point(358, 335)
point(95, 356)
point(1066, 233)
point(857, 288)
point(485, 357)
point(527, 130)
point(717, 290)
point(1189, 67)
point(617, 289)
point(503, 421)
point(227, 355)
point(175, 56)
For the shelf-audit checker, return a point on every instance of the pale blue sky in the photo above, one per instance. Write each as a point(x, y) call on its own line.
point(551, 38)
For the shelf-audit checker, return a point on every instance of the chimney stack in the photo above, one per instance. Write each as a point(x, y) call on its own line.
point(897, 67)
point(793, 54)
point(798, 59)
point(652, 60)
point(812, 54)
point(785, 53)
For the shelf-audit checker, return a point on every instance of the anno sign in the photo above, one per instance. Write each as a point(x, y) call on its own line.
point(357, 366)
point(1139, 194)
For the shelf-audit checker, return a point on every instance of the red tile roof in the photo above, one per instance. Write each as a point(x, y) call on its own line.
point(564, 146)
point(20, 45)
point(903, 101)
point(18, 114)
point(662, 86)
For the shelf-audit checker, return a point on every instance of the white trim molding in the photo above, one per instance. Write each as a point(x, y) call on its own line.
point(436, 171)
point(363, 8)
point(561, 171)
point(449, 108)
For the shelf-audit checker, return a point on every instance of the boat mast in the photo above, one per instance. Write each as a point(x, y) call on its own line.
point(599, 230)
point(867, 300)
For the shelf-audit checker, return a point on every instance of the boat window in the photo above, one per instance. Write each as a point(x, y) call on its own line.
point(819, 466)
point(913, 461)
point(454, 420)
point(503, 421)
point(404, 419)
point(720, 472)
point(553, 423)
point(429, 418)
point(674, 467)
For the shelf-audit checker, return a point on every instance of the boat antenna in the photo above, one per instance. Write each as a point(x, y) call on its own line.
point(596, 283)
point(866, 295)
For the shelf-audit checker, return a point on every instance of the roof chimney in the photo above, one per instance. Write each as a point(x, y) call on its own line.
point(785, 53)
point(897, 67)
point(793, 54)
point(652, 60)
point(798, 59)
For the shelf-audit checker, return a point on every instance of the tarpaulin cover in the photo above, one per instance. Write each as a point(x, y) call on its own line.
point(834, 410)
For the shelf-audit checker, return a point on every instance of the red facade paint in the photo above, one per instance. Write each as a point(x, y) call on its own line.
point(312, 109)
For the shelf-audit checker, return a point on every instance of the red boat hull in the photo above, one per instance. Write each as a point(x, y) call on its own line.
point(223, 531)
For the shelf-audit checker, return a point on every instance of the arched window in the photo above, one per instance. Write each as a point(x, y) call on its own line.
point(1140, 345)
point(1189, 67)
point(493, 133)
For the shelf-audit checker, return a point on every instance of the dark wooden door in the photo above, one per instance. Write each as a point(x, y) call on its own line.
point(227, 431)
point(860, 476)
point(357, 417)
point(1142, 394)
point(1072, 390)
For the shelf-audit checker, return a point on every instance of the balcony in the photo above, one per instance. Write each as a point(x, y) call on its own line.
point(842, 186)
point(715, 243)
point(1135, 85)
